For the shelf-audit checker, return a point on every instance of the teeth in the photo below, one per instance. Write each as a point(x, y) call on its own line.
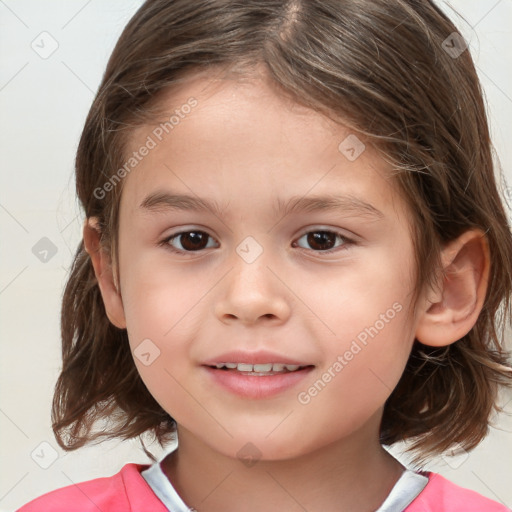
point(263, 367)
point(259, 368)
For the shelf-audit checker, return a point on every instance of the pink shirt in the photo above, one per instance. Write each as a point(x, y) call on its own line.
point(127, 491)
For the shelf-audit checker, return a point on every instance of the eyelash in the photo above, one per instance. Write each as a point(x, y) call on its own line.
point(346, 242)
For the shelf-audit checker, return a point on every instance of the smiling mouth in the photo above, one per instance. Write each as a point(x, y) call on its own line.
point(263, 378)
point(259, 370)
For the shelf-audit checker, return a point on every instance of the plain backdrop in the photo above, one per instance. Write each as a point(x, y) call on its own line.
point(53, 55)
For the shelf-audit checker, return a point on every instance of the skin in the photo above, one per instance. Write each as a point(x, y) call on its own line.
point(244, 146)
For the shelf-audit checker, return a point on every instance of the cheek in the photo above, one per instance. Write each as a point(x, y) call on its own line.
point(159, 302)
point(357, 380)
point(368, 292)
point(163, 312)
point(368, 312)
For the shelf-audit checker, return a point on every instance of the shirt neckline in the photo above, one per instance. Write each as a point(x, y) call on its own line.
point(404, 492)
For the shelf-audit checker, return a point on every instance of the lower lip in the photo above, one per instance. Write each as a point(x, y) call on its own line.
point(253, 386)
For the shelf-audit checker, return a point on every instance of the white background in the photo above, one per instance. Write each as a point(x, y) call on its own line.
point(43, 104)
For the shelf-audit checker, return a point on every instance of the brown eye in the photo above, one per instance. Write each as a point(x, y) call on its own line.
point(188, 241)
point(323, 241)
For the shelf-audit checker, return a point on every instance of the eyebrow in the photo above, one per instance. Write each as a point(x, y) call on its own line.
point(162, 201)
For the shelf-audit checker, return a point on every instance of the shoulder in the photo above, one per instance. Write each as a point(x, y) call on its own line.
point(125, 491)
point(441, 495)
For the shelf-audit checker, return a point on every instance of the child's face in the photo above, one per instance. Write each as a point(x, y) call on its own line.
point(259, 282)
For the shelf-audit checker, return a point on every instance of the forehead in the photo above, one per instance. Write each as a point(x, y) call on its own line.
point(242, 133)
point(231, 100)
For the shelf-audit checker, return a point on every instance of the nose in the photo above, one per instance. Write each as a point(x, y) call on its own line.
point(252, 293)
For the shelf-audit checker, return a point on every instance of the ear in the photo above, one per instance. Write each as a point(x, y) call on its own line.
point(104, 273)
point(451, 310)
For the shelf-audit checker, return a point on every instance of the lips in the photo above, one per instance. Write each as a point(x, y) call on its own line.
point(260, 369)
point(260, 357)
point(256, 375)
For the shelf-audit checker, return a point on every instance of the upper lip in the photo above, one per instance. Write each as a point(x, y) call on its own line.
point(260, 357)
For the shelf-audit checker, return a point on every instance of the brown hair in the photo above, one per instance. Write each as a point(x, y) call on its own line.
point(379, 66)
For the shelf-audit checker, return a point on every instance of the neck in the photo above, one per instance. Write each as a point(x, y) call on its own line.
point(353, 474)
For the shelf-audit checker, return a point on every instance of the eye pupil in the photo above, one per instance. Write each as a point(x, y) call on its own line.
point(193, 240)
point(322, 238)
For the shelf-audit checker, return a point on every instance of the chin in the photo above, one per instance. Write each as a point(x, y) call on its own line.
point(252, 446)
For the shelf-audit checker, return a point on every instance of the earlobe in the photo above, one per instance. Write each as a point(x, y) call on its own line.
point(104, 273)
point(450, 312)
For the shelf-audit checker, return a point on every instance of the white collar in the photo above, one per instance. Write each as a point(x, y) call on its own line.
point(404, 492)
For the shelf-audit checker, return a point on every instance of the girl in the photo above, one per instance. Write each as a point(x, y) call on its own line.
point(294, 254)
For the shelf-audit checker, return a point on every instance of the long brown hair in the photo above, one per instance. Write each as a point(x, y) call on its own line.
point(382, 67)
